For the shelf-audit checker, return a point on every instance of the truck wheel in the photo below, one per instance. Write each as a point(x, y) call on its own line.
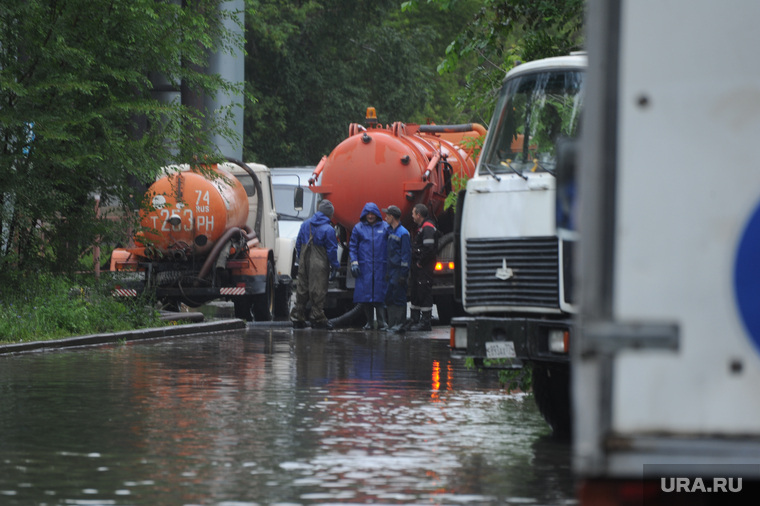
point(282, 302)
point(263, 304)
point(551, 389)
point(243, 306)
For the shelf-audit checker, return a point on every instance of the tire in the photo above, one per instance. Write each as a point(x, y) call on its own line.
point(263, 304)
point(551, 390)
point(282, 301)
point(243, 306)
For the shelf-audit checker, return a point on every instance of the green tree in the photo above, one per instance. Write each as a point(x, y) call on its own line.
point(79, 118)
point(316, 66)
point(500, 35)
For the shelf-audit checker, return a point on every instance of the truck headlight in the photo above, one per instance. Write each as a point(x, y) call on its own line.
point(559, 340)
point(458, 337)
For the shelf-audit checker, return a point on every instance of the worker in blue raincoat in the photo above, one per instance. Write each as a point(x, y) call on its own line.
point(367, 251)
point(317, 254)
point(399, 260)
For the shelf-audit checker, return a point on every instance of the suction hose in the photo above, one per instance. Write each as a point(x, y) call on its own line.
point(348, 317)
point(221, 244)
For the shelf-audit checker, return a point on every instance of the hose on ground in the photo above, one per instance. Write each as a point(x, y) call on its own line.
point(347, 318)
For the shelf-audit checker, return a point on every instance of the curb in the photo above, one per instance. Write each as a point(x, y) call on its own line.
point(128, 335)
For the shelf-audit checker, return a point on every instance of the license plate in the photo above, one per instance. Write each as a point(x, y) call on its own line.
point(500, 349)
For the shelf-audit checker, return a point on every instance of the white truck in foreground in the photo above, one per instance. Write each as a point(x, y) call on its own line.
point(666, 361)
point(515, 238)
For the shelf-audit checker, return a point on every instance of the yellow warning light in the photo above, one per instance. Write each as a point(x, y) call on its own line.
point(371, 115)
point(444, 266)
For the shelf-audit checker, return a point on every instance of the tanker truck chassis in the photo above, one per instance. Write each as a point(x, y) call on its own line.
point(173, 284)
point(210, 234)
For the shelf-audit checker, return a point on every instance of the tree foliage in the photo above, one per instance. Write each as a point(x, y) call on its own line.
point(79, 116)
point(314, 68)
point(500, 35)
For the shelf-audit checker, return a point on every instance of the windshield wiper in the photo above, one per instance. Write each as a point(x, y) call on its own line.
point(490, 171)
point(537, 164)
point(289, 216)
point(507, 164)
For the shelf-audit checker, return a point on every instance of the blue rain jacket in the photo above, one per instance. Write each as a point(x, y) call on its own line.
point(368, 246)
point(323, 235)
point(399, 260)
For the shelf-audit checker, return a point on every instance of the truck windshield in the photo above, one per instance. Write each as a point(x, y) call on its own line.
point(533, 111)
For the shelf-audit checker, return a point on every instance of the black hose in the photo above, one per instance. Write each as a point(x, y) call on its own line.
point(347, 318)
point(440, 129)
point(221, 244)
point(259, 193)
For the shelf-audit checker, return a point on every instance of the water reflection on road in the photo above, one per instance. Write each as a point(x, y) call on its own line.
point(271, 416)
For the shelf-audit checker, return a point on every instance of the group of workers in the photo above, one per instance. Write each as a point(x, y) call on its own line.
point(382, 258)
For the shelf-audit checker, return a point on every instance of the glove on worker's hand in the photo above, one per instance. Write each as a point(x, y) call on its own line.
point(355, 270)
point(333, 273)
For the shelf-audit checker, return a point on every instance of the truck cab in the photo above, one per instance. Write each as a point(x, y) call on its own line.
point(270, 236)
point(515, 234)
point(285, 182)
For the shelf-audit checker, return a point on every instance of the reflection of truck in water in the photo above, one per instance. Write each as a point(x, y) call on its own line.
point(515, 238)
point(666, 363)
point(403, 165)
point(210, 233)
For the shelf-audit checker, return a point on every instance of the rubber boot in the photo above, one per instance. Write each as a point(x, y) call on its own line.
point(396, 319)
point(424, 323)
point(392, 317)
point(368, 314)
point(381, 323)
point(414, 319)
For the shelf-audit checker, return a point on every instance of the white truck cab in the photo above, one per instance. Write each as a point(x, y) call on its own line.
point(285, 182)
point(269, 229)
point(515, 238)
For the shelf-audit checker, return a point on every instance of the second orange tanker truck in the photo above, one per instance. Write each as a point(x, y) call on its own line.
point(403, 165)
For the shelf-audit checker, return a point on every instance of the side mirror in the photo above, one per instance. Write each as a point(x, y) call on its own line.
point(567, 158)
point(298, 199)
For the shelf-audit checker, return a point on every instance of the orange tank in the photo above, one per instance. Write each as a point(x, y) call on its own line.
point(190, 211)
point(400, 165)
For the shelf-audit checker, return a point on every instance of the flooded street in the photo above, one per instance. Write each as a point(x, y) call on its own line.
point(271, 417)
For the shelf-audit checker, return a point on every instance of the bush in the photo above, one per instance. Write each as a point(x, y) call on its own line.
point(43, 307)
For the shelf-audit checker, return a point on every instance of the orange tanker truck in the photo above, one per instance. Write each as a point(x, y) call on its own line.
point(402, 165)
point(207, 233)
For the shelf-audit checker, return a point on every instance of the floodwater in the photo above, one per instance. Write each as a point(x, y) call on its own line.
point(271, 417)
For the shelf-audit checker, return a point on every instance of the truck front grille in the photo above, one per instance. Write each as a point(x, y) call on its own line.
point(530, 279)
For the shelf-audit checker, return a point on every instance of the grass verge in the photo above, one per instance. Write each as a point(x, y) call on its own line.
point(38, 307)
